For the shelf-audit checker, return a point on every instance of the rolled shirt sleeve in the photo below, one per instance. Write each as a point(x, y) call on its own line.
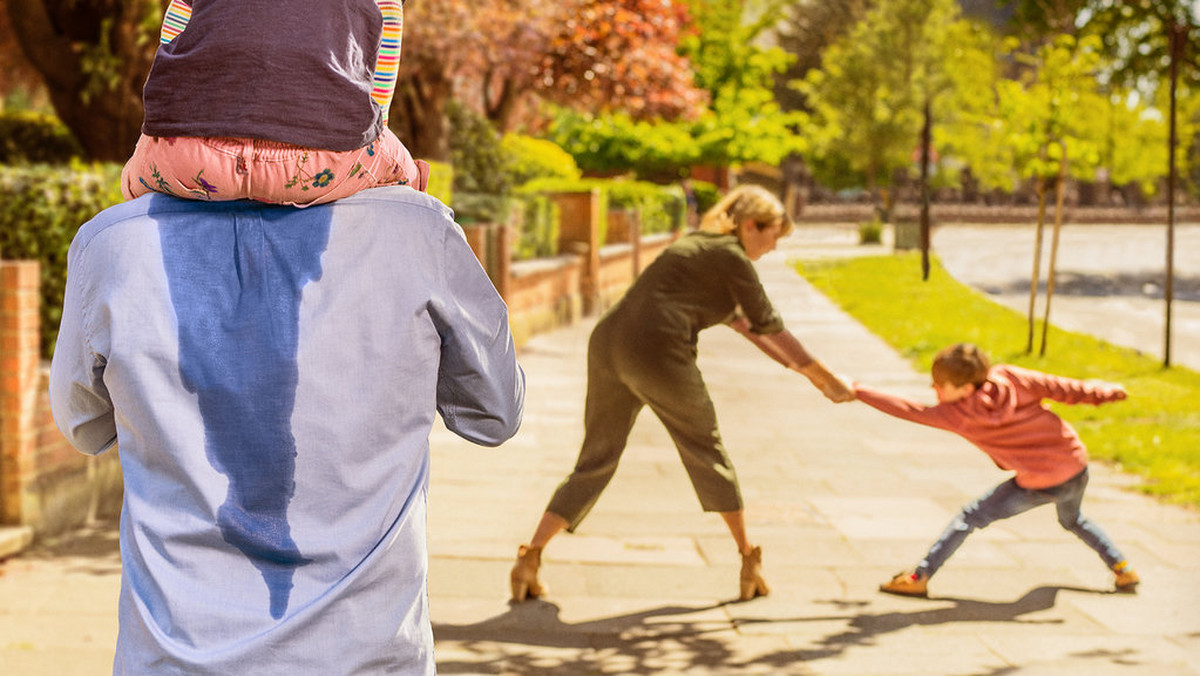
point(481, 388)
point(79, 398)
point(747, 289)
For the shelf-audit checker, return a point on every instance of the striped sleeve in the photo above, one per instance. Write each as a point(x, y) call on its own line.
point(179, 12)
point(388, 61)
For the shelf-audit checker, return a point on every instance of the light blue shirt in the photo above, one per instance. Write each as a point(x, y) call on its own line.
point(270, 375)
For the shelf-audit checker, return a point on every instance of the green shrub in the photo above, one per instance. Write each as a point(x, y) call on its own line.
point(545, 186)
point(29, 137)
point(870, 232)
point(663, 208)
point(539, 227)
point(617, 143)
point(707, 194)
point(41, 208)
point(441, 181)
point(530, 158)
point(481, 178)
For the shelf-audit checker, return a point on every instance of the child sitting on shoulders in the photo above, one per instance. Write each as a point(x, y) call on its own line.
point(284, 103)
point(999, 409)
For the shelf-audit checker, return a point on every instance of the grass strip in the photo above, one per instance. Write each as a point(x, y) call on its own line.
point(1155, 433)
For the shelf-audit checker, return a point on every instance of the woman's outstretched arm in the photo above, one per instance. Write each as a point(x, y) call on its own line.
point(786, 349)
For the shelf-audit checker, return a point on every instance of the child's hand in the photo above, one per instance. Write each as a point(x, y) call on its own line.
point(1112, 391)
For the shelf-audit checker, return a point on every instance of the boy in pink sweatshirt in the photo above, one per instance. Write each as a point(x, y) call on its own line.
point(999, 409)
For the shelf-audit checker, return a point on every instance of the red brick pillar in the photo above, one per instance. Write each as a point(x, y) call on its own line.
point(580, 220)
point(20, 359)
point(477, 239)
point(504, 246)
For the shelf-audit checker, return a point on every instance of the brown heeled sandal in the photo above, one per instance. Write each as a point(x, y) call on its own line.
point(524, 575)
point(752, 582)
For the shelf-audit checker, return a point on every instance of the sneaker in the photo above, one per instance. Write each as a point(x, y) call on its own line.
point(1127, 581)
point(908, 583)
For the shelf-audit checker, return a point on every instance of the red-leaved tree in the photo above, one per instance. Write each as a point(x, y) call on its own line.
point(500, 55)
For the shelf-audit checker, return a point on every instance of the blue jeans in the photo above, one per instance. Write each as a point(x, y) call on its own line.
point(1009, 499)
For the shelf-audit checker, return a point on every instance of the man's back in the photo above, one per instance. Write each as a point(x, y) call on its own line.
point(273, 375)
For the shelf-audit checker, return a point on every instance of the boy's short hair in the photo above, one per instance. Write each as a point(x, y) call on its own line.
point(960, 364)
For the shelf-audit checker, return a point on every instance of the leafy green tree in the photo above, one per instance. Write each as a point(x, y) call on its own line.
point(806, 31)
point(1155, 41)
point(743, 122)
point(1134, 151)
point(883, 84)
point(1049, 123)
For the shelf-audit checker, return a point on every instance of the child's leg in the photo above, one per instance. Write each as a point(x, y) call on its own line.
point(1068, 498)
point(1007, 499)
point(286, 175)
point(218, 169)
point(187, 167)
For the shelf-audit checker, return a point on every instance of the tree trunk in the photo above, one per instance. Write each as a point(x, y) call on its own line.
point(1178, 40)
point(926, 141)
point(1059, 189)
point(418, 114)
point(500, 101)
point(1035, 279)
point(94, 57)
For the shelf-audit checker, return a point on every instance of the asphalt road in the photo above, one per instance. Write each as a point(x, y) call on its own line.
point(1109, 279)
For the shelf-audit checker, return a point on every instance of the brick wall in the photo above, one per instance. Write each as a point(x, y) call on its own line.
point(543, 295)
point(44, 483)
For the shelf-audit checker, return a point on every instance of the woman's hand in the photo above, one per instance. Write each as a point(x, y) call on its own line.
point(835, 389)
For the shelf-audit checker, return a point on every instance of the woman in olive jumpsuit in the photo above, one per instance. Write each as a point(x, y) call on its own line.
point(643, 353)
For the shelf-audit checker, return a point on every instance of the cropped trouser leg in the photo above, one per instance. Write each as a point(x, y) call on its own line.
point(618, 388)
point(609, 414)
point(679, 398)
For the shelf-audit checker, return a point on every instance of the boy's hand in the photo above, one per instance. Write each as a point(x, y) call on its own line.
point(1112, 391)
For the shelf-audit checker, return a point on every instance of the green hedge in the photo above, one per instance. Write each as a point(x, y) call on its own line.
point(530, 158)
point(441, 181)
point(27, 137)
point(663, 208)
point(539, 227)
point(707, 195)
point(41, 208)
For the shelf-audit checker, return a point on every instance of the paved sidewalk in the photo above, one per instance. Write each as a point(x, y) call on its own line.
point(839, 496)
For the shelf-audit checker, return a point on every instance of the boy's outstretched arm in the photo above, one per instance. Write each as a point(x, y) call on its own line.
point(1065, 390)
point(905, 409)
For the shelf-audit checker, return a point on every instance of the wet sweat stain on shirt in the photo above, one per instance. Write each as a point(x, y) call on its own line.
point(238, 342)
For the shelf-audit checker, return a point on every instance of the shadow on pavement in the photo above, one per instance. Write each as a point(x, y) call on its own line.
point(94, 549)
point(1148, 285)
point(661, 639)
point(865, 629)
point(643, 642)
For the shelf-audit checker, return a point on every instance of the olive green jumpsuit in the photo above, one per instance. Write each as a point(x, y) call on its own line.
point(643, 353)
